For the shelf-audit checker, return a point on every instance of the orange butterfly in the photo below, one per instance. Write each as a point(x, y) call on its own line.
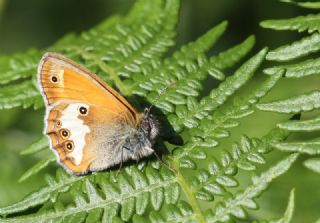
point(90, 126)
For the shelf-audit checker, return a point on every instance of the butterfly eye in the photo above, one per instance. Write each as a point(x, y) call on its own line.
point(54, 79)
point(69, 146)
point(64, 133)
point(83, 110)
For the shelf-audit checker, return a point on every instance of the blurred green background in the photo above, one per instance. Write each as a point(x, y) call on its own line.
point(38, 23)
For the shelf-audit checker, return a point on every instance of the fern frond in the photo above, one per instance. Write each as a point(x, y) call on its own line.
point(308, 23)
point(297, 49)
point(305, 125)
point(24, 94)
point(131, 44)
point(313, 164)
point(18, 66)
point(134, 192)
point(230, 57)
point(36, 146)
point(37, 167)
point(301, 103)
point(210, 130)
point(61, 183)
point(298, 70)
point(311, 147)
point(310, 5)
point(181, 212)
point(224, 119)
point(236, 205)
point(201, 45)
point(287, 217)
point(245, 155)
point(190, 117)
point(185, 68)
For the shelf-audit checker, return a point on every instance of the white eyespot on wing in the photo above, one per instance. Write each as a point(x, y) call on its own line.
point(78, 130)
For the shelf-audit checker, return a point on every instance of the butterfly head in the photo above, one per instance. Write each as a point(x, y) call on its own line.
point(149, 125)
point(139, 144)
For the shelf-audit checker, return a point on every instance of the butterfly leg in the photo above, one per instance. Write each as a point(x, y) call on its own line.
point(162, 162)
point(121, 162)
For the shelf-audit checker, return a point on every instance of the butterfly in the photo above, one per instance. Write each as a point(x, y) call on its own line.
point(90, 126)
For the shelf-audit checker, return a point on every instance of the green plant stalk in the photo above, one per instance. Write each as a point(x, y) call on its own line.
point(189, 194)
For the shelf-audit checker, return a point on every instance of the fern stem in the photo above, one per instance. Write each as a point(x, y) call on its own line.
point(189, 194)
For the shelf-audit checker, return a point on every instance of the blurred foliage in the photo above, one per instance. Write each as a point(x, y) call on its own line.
point(38, 24)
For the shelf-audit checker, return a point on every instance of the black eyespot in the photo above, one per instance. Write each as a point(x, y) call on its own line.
point(54, 79)
point(65, 133)
point(58, 123)
point(83, 110)
point(69, 146)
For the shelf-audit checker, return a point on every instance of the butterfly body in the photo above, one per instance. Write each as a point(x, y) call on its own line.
point(90, 126)
point(128, 143)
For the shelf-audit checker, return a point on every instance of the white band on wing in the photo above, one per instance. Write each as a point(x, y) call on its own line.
point(78, 130)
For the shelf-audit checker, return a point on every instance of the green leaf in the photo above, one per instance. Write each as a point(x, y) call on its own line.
point(234, 206)
point(241, 76)
point(231, 56)
point(304, 102)
point(219, 95)
point(311, 147)
point(305, 125)
point(111, 194)
point(37, 167)
point(308, 23)
point(303, 47)
point(311, 5)
point(24, 94)
point(203, 43)
point(303, 69)
point(287, 217)
point(36, 147)
point(313, 164)
point(182, 212)
point(245, 155)
point(19, 66)
point(241, 107)
point(62, 183)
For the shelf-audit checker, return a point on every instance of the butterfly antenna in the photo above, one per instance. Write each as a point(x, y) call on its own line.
point(163, 90)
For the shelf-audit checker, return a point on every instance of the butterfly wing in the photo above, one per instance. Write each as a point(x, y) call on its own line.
point(83, 113)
